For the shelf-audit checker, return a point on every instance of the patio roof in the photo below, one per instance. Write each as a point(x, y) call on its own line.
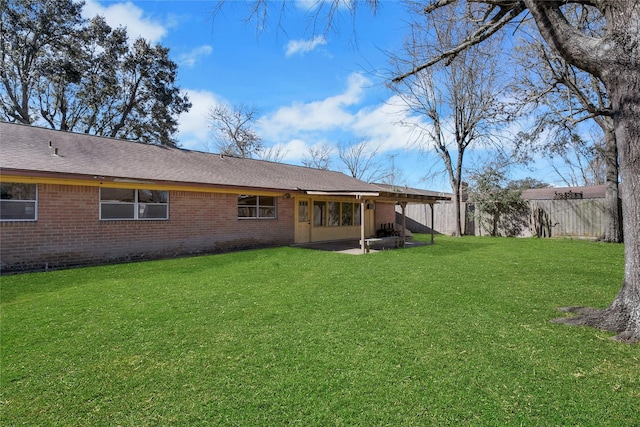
point(396, 193)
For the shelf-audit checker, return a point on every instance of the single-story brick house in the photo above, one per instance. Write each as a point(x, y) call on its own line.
point(75, 199)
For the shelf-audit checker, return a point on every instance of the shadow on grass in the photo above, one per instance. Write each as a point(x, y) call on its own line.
point(22, 284)
point(18, 285)
point(14, 286)
point(453, 246)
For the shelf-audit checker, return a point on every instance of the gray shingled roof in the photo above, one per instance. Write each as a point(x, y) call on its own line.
point(26, 148)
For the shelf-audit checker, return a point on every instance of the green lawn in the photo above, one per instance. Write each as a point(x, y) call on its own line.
point(458, 333)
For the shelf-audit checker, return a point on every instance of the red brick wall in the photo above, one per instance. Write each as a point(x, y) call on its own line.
point(69, 232)
point(385, 214)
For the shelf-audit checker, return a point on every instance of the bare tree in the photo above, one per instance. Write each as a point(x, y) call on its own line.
point(393, 175)
point(460, 102)
point(275, 153)
point(565, 97)
point(580, 162)
point(318, 157)
point(361, 161)
point(233, 131)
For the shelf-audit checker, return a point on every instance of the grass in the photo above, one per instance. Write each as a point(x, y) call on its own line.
point(452, 334)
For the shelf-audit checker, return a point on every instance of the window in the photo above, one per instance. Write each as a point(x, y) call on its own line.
point(319, 213)
point(256, 207)
point(357, 214)
point(18, 202)
point(347, 214)
point(303, 211)
point(334, 213)
point(122, 203)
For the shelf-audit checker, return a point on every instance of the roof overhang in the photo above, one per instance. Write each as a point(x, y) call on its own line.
point(356, 194)
point(383, 196)
point(45, 177)
point(402, 194)
point(410, 198)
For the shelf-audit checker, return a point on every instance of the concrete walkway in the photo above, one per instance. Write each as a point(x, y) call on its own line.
point(352, 246)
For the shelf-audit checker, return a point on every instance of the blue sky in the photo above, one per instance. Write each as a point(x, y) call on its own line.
point(312, 88)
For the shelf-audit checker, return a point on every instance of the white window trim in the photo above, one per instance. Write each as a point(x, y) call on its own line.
point(136, 207)
point(35, 214)
point(257, 206)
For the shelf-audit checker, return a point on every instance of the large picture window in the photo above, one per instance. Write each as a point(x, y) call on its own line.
point(335, 214)
point(122, 203)
point(256, 207)
point(18, 202)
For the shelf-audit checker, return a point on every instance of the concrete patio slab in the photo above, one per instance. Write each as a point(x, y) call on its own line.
point(352, 246)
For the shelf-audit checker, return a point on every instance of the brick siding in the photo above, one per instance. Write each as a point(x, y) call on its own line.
point(385, 214)
point(68, 231)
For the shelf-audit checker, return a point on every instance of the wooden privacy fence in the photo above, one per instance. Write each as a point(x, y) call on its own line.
point(419, 218)
point(579, 218)
point(566, 218)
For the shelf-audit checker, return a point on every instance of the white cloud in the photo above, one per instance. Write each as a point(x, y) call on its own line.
point(324, 115)
point(304, 46)
point(194, 126)
point(293, 130)
point(387, 125)
point(340, 118)
point(294, 150)
point(128, 15)
point(189, 59)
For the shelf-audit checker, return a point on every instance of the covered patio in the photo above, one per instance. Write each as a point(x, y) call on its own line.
point(376, 235)
point(402, 196)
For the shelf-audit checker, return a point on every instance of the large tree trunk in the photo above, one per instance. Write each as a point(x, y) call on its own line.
point(455, 184)
point(624, 87)
point(612, 226)
point(616, 60)
point(623, 315)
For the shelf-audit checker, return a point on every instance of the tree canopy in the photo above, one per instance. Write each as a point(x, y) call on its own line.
point(60, 70)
